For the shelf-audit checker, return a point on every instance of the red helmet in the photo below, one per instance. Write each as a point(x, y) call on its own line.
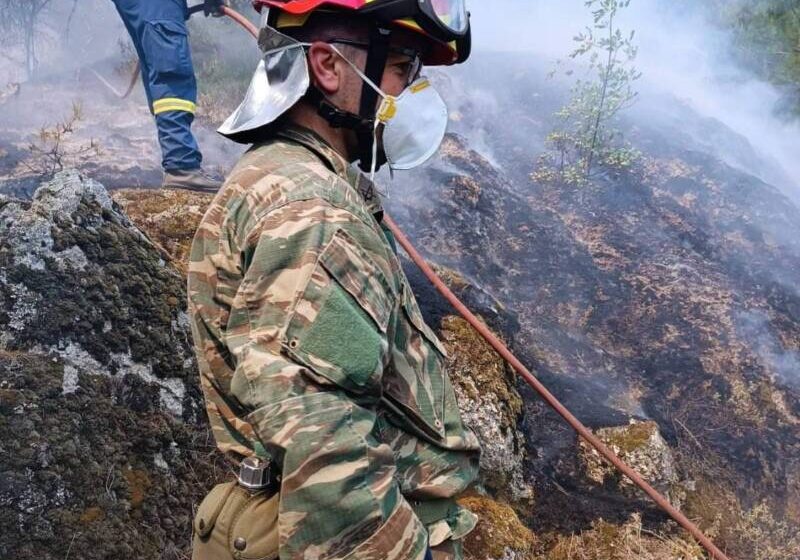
point(444, 22)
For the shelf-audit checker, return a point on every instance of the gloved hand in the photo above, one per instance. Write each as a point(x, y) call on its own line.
point(217, 11)
point(210, 8)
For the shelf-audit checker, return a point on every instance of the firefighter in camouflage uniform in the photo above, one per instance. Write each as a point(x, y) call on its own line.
point(314, 358)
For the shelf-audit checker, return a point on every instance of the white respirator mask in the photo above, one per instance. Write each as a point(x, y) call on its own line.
point(414, 123)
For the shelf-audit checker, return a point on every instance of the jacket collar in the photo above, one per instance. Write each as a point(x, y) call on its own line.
point(338, 164)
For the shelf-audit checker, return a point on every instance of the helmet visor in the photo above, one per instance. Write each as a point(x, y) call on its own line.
point(451, 14)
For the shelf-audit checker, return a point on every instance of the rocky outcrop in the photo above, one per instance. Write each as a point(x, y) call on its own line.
point(103, 446)
point(642, 447)
point(81, 283)
point(491, 406)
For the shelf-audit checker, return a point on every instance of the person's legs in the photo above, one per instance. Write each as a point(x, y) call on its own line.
point(165, 42)
point(158, 28)
point(130, 15)
point(179, 148)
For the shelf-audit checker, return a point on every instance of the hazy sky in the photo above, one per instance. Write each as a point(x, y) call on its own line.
point(524, 24)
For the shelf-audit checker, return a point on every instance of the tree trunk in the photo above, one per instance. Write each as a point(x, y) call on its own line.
point(606, 77)
point(34, 9)
point(29, 54)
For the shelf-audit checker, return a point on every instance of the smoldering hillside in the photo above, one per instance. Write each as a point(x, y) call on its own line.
point(682, 56)
point(668, 293)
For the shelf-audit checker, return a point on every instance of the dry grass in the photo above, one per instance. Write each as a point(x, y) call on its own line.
point(717, 505)
point(752, 533)
point(768, 538)
point(614, 542)
point(169, 218)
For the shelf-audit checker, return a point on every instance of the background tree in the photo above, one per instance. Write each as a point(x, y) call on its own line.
point(766, 38)
point(585, 136)
point(769, 33)
point(19, 21)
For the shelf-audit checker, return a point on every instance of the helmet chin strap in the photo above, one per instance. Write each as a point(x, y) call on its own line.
point(362, 124)
point(376, 64)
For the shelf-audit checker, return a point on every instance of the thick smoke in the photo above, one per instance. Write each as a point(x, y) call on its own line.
point(780, 364)
point(69, 35)
point(682, 56)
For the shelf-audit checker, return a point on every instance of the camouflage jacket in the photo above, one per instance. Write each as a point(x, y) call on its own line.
point(312, 349)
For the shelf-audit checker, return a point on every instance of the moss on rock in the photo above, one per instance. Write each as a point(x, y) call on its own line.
point(478, 369)
point(85, 472)
point(490, 405)
point(641, 446)
point(169, 217)
point(499, 533)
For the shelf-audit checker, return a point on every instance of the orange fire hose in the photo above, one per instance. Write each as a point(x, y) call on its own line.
point(503, 350)
point(241, 20)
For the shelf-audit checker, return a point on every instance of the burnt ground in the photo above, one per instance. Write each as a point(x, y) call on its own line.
point(669, 292)
point(112, 140)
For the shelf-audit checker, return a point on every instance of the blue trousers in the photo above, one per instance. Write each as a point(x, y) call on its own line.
point(159, 34)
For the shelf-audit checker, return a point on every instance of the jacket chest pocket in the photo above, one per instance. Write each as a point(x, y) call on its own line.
point(339, 323)
point(416, 388)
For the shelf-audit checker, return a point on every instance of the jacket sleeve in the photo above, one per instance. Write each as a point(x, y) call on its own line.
point(307, 332)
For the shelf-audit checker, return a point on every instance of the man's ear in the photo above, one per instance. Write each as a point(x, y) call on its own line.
point(322, 64)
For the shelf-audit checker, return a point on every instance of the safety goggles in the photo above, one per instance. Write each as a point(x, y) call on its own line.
point(411, 57)
point(447, 20)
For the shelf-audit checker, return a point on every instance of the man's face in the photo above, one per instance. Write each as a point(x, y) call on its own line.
point(343, 86)
point(397, 74)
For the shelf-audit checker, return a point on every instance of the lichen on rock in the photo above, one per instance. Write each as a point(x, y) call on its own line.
point(81, 282)
point(490, 405)
point(641, 446)
point(104, 445)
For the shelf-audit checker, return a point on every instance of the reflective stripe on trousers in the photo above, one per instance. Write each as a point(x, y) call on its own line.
point(158, 31)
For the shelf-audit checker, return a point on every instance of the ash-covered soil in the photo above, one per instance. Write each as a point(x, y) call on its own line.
point(73, 120)
point(668, 293)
